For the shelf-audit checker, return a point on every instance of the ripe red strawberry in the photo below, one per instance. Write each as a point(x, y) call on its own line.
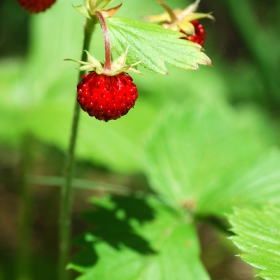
point(199, 33)
point(106, 97)
point(36, 6)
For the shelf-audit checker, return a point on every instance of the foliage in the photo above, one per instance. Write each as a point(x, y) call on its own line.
point(138, 238)
point(190, 159)
point(191, 173)
point(154, 46)
point(202, 155)
point(257, 235)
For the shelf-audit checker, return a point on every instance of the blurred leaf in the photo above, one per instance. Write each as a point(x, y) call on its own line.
point(10, 127)
point(39, 97)
point(148, 241)
point(257, 236)
point(116, 145)
point(154, 46)
point(211, 158)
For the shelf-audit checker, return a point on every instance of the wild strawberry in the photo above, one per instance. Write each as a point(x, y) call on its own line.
point(106, 97)
point(36, 6)
point(199, 34)
point(107, 94)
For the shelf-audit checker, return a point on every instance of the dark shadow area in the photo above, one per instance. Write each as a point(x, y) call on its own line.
point(134, 208)
point(14, 33)
point(85, 258)
point(113, 227)
point(116, 231)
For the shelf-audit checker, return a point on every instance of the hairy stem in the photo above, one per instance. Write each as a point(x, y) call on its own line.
point(66, 190)
point(107, 64)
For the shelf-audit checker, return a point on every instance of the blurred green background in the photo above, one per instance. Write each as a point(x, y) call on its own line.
point(37, 94)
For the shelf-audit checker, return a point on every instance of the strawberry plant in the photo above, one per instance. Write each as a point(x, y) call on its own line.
point(108, 92)
point(155, 152)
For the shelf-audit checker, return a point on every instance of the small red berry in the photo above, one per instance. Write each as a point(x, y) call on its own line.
point(106, 97)
point(199, 33)
point(36, 6)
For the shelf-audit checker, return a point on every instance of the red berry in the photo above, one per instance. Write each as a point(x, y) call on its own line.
point(199, 33)
point(106, 97)
point(36, 6)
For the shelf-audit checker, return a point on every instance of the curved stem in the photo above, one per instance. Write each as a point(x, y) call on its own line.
point(66, 190)
point(107, 64)
point(168, 10)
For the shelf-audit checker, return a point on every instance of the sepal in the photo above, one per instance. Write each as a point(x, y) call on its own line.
point(82, 9)
point(90, 8)
point(117, 67)
point(110, 12)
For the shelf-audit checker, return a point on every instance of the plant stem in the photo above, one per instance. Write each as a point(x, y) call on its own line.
point(107, 64)
point(24, 230)
point(66, 190)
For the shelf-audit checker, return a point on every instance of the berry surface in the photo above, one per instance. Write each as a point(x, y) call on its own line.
point(36, 6)
point(106, 97)
point(199, 33)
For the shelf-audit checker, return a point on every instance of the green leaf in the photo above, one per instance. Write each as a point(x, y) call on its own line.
point(138, 239)
point(258, 236)
point(212, 158)
point(154, 46)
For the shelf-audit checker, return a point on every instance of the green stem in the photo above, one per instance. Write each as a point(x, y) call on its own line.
point(24, 230)
point(66, 190)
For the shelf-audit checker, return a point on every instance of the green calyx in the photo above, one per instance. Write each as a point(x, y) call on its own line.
point(90, 8)
point(117, 67)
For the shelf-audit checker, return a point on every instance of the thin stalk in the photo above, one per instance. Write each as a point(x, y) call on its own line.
point(66, 190)
point(107, 63)
point(24, 229)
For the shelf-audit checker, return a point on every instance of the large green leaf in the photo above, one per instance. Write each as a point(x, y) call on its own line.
point(154, 46)
point(138, 239)
point(257, 235)
point(212, 158)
